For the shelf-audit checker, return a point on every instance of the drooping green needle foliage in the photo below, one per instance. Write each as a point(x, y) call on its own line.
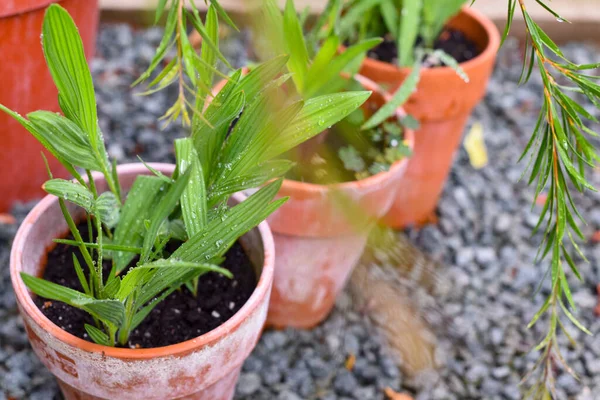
point(560, 151)
point(192, 72)
point(233, 146)
point(559, 148)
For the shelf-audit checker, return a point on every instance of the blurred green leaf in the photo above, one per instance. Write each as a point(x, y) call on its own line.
point(410, 22)
point(295, 45)
point(316, 115)
point(320, 76)
point(402, 94)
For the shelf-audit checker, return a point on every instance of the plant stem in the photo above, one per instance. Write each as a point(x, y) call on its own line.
point(99, 266)
point(75, 232)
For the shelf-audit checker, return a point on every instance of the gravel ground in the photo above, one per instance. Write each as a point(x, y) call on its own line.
point(482, 238)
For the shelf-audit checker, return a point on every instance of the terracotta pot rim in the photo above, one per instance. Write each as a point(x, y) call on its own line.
point(26, 301)
point(22, 9)
point(488, 52)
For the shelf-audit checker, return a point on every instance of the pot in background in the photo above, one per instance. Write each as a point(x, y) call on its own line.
point(27, 86)
point(442, 103)
point(320, 236)
point(204, 368)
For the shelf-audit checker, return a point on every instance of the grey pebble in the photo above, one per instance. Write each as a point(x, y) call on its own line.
point(248, 384)
point(345, 383)
point(287, 395)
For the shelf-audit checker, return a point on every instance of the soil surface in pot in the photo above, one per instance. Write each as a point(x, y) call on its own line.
point(178, 318)
point(451, 41)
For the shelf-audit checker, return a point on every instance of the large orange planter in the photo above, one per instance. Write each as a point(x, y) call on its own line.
point(442, 103)
point(204, 368)
point(318, 242)
point(27, 86)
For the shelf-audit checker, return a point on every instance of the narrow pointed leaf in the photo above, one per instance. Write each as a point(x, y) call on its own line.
point(69, 141)
point(97, 335)
point(164, 207)
point(318, 114)
point(255, 178)
point(410, 19)
point(320, 76)
point(141, 200)
point(66, 61)
point(295, 45)
point(221, 233)
point(107, 310)
point(71, 191)
point(193, 199)
point(108, 207)
point(402, 94)
point(80, 275)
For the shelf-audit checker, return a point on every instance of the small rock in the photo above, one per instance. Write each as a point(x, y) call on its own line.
point(345, 383)
point(464, 256)
point(248, 384)
point(287, 395)
point(503, 223)
point(351, 344)
point(485, 256)
point(501, 372)
point(318, 368)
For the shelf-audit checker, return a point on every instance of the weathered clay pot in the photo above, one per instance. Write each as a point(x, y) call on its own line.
point(204, 368)
point(318, 242)
point(316, 234)
point(442, 103)
point(27, 86)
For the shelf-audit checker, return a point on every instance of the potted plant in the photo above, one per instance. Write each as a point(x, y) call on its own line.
point(436, 58)
point(22, 59)
point(153, 280)
point(344, 178)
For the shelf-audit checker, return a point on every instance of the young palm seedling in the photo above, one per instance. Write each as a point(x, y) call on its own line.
point(168, 230)
point(318, 68)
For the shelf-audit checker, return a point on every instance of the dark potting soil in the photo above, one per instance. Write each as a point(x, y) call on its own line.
point(178, 318)
point(451, 41)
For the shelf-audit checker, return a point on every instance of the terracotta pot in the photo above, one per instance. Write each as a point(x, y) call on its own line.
point(442, 103)
point(317, 240)
point(204, 368)
point(318, 243)
point(27, 86)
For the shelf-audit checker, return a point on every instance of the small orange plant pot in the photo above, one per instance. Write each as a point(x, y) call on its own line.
point(316, 235)
point(317, 239)
point(27, 86)
point(442, 103)
point(204, 368)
